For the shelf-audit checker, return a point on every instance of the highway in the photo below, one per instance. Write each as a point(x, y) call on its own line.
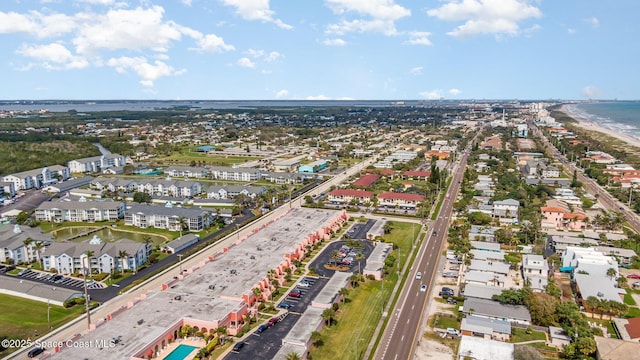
point(606, 199)
point(403, 330)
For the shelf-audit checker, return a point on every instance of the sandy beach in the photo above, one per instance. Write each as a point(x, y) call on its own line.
point(592, 126)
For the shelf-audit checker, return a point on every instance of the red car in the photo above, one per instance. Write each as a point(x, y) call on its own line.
point(633, 276)
point(294, 294)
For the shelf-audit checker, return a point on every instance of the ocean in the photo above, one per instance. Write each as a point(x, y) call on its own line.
point(620, 116)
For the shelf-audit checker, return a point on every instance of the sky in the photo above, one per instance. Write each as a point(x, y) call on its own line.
point(319, 49)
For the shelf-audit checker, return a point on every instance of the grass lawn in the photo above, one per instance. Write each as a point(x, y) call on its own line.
point(628, 299)
point(21, 318)
point(186, 156)
point(520, 335)
point(358, 317)
point(633, 312)
point(443, 321)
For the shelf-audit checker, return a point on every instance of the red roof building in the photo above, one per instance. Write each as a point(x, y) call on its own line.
point(348, 195)
point(441, 155)
point(400, 199)
point(366, 180)
point(633, 327)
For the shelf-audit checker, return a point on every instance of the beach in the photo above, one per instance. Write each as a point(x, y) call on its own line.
point(592, 126)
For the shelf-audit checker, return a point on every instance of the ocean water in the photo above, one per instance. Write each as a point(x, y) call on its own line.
point(620, 116)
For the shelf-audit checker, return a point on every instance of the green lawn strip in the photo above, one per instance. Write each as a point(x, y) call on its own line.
point(21, 318)
point(436, 211)
point(633, 312)
point(520, 335)
point(443, 321)
point(628, 299)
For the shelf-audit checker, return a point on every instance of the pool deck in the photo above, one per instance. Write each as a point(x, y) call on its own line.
point(198, 343)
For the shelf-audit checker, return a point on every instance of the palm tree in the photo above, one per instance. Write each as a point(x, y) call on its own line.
point(207, 219)
point(27, 243)
point(39, 245)
point(124, 256)
point(611, 273)
point(182, 222)
point(328, 315)
point(359, 257)
point(293, 356)
point(344, 292)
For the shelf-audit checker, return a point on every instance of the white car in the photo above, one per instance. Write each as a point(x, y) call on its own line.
point(418, 275)
point(304, 284)
point(423, 288)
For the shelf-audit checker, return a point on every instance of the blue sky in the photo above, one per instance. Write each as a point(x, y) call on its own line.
point(319, 49)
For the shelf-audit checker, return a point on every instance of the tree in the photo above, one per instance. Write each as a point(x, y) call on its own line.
point(611, 273)
point(343, 292)
point(27, 245)
point(293, 356)
point(328, 315)
point(124, 257)
point(525, 352)
point(592, 303)
point(316, 338)
point(22, 217)
point(39, 245)
point(359, 257)
point(141, 197)
point(183, 224)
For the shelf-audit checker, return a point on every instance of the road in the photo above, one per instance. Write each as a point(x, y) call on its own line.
point(606, 199)
point(399, 338)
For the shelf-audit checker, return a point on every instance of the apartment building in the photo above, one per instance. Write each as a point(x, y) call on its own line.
point(80, 211)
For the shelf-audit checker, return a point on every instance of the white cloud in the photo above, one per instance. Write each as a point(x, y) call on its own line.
point(213, 43)
point(593, 21)
point(186, 2)
point(36, 24)
point(431, 95)
point(334, 42)
point(498, 17)
point(127, 29)
point(53, 57)
point(256, 10)
point(145, 70)
point(591, 92)
point(246, 62)
point(571, 31)
point(416, 70)
point(455, 92)
point(273, 56)
point(99, 2)
point(318, 97)
point(382, 16)
point(255, 53)
point(282, 93)
point(419, 38)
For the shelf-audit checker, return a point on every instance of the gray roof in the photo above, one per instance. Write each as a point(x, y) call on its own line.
point(510, 202)
point(187, 212)
point(481, 291)
point(483, 245)
point(495, 309)
point(11, 239)
point(483, 276)
point(485, 326)
point(84, 205)
point(185, 239)
point(487, 254)
point(77, 249)
point(483, 230)
point(489, 266)
point(72, 184)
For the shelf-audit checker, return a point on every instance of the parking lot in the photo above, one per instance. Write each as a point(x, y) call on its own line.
point(359, 231)
point(58, 280)
point(265, 345)
point(325, 257)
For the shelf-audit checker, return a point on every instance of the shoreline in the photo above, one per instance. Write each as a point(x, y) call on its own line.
point(592, 126)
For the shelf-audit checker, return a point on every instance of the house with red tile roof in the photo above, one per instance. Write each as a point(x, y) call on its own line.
point(559, 218)
point(416, 175)
point(345, 196)
point(366, 181)
point(441, 155)
point(393, 199)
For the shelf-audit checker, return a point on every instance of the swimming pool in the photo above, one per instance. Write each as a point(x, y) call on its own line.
point(180, 353)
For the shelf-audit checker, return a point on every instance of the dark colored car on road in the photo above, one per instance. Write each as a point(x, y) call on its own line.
point(35, 352)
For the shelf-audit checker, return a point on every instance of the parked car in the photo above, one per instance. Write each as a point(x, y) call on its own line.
point(304, 283)
point(273, 321)
point(452, 331)
point(455, 261)
point(633, 276)
point(455, 268)
point(295, 294)
point(23, 271)
point(451, 300)
point(35, 352)
point(446, 292)
point(450, 274)
point(238, 346)
point(262, 328)
point(284, 305)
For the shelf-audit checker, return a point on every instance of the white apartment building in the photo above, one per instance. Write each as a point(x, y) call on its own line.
point(235, 174)
point(96, 163)
point(69, 258)
point(80, 211)
point(168, 217)
point(38, 178)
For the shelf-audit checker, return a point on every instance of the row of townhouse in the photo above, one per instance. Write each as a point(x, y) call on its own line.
point(37, 178)
point(168, 217)
point(361, 197)
point(187, 171)
point(80, 211)
point(231, 191)
point(158, 187)
point(20, 244)
point(69, 258)
point(96, 163)
point(227, 173)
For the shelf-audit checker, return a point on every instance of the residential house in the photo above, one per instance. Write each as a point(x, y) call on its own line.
point(625, 257)
point(535, 270)
point(506, 208)
point(12, 243)
point(366, 181)
point(114, 185)
point(187, 171)
point(484, 278)
point(480, 291)
point(590, 270)
point(167, 187)
point(489, 309)
point(235, 173)
point(486, 328)
point(231, 191)
point(482, 233)
point(478, 348)
point(559, 218)
point(416, 175)
point(497, 267)
point(615, 349)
